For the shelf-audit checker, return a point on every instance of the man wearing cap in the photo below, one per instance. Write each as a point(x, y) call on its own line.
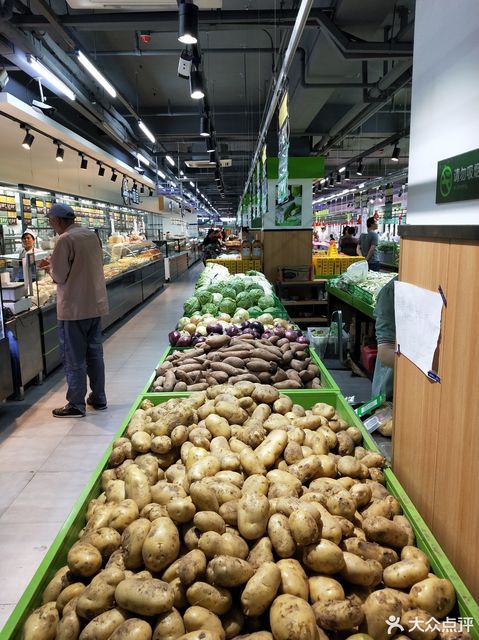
point(76, 266)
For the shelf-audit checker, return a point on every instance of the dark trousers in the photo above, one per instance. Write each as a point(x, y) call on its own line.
point(374, 266)
point(82, 355)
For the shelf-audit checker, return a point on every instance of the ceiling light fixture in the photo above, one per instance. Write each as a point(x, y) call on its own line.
point(187, 23)
point(170, 160)
point(146, 131)
point(342, 170)
point(84, 161)
point(346, 175)
point(331, 180)
point(93, 71)
point(150, 193)
point(50, 77)
point(60, 152)
point(338, 178)
point(28, 140)
point(204, 126)
point(141, 158)
point(196, 85)
point(161, 174)
point(359, 170)
point(101, 169)
point(396, 153)
point(142, 188)
point(114, 175)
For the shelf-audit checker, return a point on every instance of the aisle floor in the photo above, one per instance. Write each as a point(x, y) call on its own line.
point(46, 462)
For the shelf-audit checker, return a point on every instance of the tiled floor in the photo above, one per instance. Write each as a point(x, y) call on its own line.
point(45, 463)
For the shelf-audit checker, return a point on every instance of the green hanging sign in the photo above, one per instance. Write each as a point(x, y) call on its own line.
point(458, 178)
point(283, 149)
point(388, 203)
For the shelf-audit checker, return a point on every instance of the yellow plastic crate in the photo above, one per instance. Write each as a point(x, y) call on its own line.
point(231, 265)
point(248, 264)
point(323, 266)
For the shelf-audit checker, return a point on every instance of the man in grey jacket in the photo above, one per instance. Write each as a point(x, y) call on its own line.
point(76, 266)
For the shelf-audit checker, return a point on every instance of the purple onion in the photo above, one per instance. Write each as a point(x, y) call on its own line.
point(234, 330)
point(302, 340)
point(214, 328)
point(291, 335)
point(200, 339)
point(245, 324)
point(183, 341)
point(173, 337)
point(256, 325)
point(267, 334)
point(279, 331)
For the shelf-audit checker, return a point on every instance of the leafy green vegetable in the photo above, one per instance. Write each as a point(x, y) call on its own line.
point(255, 312)
point(204, 296)
point(210, 308)
point(266, 301)
point(217, 298)
point(228, 306)
point(191, 305)
point(240, 316)
point(244, 299)
point(266, 318)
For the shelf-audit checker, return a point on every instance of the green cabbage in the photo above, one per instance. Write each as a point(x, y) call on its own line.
point(266, 301)
point(210, 308)
point(244, 299)
point(228, 306)
point(229, 292)
point(217, 298)
point(254, 312)
point(240, 316)
point(237, 284)
point(204, 296)
point(191, 305)
point(256, 294)
point(266, 318)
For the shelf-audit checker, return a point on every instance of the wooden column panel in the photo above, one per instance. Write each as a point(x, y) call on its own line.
point(289, 248)
point(436, 438)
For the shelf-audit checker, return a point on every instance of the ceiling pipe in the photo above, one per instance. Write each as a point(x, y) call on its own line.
point(307, 84)
point(145, 53)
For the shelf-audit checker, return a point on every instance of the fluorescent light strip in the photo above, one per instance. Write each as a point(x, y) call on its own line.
point(161, 174)
point(50, 77)
point(170, 160)
point(192, 184)
point(342, 170)
point(141, 158)
point(93, 71)
point(146, 131)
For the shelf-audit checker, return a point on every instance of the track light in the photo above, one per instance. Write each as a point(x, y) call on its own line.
point(331, 180)
point(142, 188)
point(114, 175)
point(170, 160)
point(346, 175)
point(396, 153)
point(60, 152)
point(93, 71)
point(211, 144)
point(359, 170)
point(150, 193)
point(101, 169)
point(50, 77)
point(146, 131)
point(187, 23)
point(338, 178)
point(84, 161)
point(28, 140)
point(196, 85)
point(204, 126)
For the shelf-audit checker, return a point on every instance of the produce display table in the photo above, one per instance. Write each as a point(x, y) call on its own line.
point(178, 265)
point(352, 301)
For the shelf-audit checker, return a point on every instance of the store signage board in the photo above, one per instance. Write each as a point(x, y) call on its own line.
point(283, 150)
point(458, 178)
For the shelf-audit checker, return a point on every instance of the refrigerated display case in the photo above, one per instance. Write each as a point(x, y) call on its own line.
point(6, 377)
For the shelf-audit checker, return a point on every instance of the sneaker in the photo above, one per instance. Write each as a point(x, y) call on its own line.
point(68, 412)
point(97, 407)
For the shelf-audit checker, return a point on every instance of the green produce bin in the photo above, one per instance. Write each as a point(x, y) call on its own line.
point(56, 555)
point(327, 380)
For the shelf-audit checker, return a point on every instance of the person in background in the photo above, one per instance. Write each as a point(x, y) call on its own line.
point(368, 245)
point(340, 241)
point(383, 378)
point(349, 244)
point(209, 237)
point(246, 234)
point(212, 246)
point(76, 266)
point(28, 245)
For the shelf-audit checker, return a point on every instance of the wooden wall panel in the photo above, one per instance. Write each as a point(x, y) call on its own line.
point(436, 439)
point(416, 399)
point(286, 248)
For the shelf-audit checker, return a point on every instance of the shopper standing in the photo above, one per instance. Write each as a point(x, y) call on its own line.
point(368, 244)
point(349, 244)
point(76, 266)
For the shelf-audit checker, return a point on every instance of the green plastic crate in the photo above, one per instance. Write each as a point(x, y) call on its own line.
point(56, 555)
point(327, 381)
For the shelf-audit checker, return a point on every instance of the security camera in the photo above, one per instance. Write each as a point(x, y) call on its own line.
point(184, 64)
point(140, 170)
point(4, 78)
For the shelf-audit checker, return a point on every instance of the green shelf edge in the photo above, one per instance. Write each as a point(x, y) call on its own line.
point(354, 302)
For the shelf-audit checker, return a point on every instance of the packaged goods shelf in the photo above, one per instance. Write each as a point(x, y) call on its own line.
point(56, 555)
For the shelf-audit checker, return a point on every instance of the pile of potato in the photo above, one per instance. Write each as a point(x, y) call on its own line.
point(236, 514)
point(221, 359)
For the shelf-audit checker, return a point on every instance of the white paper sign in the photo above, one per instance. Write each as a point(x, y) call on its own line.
point(418, 323)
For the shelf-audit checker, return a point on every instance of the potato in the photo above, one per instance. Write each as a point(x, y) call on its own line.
point(99, 595)
point(115, 491)
point(137, 487)
point(378, 607)
point(387, 507)
point(283, 404)
point(215, 599)
point(257, 484)
point(253, 512)
point(405, 574)
point(181, 510)
point(42, 623)
point(250, 462)
point(261, 589)
point(199, 618)
point(212, 544)
point(325, 589)
point(123, 514)
point(403, 522)
point(365, 573)
point(203, 497)
point(218, 426)
point(294, 581)
point(69, 626)
point(280, 535)
point(132, 629)
point(292, 618)
point(201, 634)
point(207, 466)
point(233, 623)
point(101, 627)
point(84, 559)
point(324, 557)
point(261, 552)
point(141, 442)
point(338, 615)
point(304, 528)
point(227, 571)
point(381, 530)
point(434, 595)
point(322, 409)
point(132, 540)
point(169, 626)
point(415, 623)
point(413, 553)
point(147, 597)
point(162, 544)
point(56, 585)
point(153, 511)
point(229, 512)
point(271, 447)
point(265, 393)
point(191, 567)
point(179, 594)
point(370, 551)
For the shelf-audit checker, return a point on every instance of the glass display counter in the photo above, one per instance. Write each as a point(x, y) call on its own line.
point(6, 376)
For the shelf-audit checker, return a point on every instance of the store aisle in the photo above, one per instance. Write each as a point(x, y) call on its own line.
point(46, 462)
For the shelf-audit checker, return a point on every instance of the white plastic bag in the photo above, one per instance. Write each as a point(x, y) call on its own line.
point(357, 272)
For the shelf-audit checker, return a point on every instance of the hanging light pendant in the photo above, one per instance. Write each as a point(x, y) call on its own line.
point(187, 23)
point(196, 85)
